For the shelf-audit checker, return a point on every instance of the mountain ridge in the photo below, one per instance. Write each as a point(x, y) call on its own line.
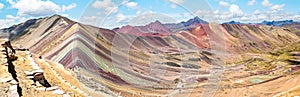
point(172, 27)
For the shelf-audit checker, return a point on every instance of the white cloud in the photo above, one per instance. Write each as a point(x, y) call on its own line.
point(207, 14)
point(266, 3)
point(215, 12)
point(6, 23)
point(244, 18)
point(109, 22)
point(235, 10)
point(251, 2)
point(35, 7)
point(10, 17)
point(296, 17)
point(10, 1)
point(267, 16)
point(65, 15)
point(107, 5)
point(175, 3)
point(276, 12)
point(138, 12)
point(224, 4)
point(91, 20)
point(149, 16)
point(10, 20)
point(256, 12)
point(38, 7)
point(276, 8)
point(68, 7)
point(28, 9)
point(132, 5)
point(144, 12)
point(262, 17)
point(1, 5)
point(120, 17)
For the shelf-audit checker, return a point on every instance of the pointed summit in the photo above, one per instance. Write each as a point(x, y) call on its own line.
point(175, 27)
point(46, 24)
point(157, 22)
point(57, 16)
point(232, 22)
point(195, 20)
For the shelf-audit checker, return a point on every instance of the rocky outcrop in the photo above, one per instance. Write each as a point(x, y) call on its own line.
point(22, 76)
point(9, 52)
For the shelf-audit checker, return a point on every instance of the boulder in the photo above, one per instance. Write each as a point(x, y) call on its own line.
point(52, 88)
point(13, 88)
point(66, 95)
point(40, 89)
point(13, 82)
point(58, 91)
point(28, 73)
point(36, 67)
point(30, 77)
point(38, 71)
point(38, 77)
point(3, 53)
point(4, 60)
point(14, 95)
point(3, 56)
point(7, 79)
point(2, 49)
point(70, 93)
point(73, 87)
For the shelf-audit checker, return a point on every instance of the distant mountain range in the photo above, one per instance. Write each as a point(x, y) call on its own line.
point(158, 29)
point(232, 22)
point(192, 23)
point(154, 28)
point(279, 23)
point(269, 23)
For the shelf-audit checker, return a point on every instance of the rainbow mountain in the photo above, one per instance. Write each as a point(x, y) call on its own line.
point(187, 58)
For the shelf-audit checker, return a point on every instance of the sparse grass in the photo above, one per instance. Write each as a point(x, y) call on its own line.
point(260, 65)
point(280, 55)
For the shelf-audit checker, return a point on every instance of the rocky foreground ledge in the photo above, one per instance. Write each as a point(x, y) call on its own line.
point(25, 74)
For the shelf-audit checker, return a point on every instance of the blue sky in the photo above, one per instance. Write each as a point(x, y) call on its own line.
point(116, 13)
